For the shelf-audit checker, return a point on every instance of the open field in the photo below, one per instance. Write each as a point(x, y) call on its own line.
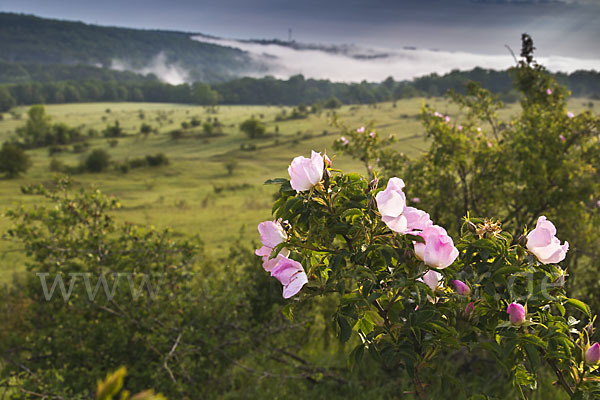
point(195, 194)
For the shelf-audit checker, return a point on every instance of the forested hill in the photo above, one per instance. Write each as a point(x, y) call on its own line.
point(26, 39)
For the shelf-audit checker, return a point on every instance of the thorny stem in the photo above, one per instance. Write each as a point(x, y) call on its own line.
point(561, 378)
point(418, 385)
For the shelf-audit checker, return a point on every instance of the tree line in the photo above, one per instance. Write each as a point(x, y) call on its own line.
point(270, 91)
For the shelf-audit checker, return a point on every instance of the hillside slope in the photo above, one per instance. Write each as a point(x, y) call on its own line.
point(26, 39)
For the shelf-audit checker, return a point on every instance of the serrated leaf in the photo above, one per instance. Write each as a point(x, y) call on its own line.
point(276, 181)
point(580, 305)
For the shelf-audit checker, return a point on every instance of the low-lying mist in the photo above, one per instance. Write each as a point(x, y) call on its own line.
point(355, 64)
point(165, 71)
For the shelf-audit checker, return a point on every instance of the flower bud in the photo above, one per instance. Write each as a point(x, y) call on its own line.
point(461, 288)
point(522, 240)
point(373, 184)
point(471, 227)
point(592, 355)
point(469, 309)
point(516, 313)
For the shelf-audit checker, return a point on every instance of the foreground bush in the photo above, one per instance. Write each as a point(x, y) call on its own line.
point(417, 300)
point(98, 295)
point(542, 161)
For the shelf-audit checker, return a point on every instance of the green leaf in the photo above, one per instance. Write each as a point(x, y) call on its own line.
point(288, 311)
point(276, 181)
point(580, 305)
point(345, 330)
point(364, 325)
point(533, 356)
point(355, 356)
point(511, 269)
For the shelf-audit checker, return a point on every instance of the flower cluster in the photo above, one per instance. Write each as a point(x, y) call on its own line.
point(435, 248)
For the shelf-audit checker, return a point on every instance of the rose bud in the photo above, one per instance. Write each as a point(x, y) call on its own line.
point(516, 313)
point(592, 355)
point(461, 288)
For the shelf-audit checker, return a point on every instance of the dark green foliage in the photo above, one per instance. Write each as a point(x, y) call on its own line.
point(145, 129)
point(113, 131)
point(253, 128)
point(13, 160)
point(38, 131)
point(230, 165)
point(7, 101)
point(272, 91)
point(97, 161)
point(157, 160)
point(332, 103)
point(196, 327)
point(78, 43)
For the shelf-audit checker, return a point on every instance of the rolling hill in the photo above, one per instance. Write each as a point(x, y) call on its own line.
point(27, 39)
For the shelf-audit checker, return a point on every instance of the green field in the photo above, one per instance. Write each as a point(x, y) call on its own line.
point(195, 194)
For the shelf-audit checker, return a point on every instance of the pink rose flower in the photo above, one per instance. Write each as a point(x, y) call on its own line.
point(391, 203)
point(544, 244)
point(461, 288)
point(344, 141)
point(432, 279)
point(548, 92)
point(306, 172)
point(562, 138)
point(516, 313)
point(447, 118)
point(438, 251)
point(291, 275)
point(416, 220)
point(592, 354)
point(459, 127)
point(570, 114)
point(271, 234)
point(361, 130)
point(372, 134)
point(415, 200)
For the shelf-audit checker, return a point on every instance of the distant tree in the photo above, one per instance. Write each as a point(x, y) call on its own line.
point(208, 128)
point(13, 160)
point(253, 128)
point(332, 103)
point(7, 101)
point(145, 129)
point(230, 165)
point(112, 131)
point(176, 134)
point(36, 128)
point(97, 161)
point(203, 94)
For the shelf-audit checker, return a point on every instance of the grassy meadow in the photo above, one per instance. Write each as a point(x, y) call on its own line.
point(194, 194)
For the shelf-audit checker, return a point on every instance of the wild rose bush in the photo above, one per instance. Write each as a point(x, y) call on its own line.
point(414, 295)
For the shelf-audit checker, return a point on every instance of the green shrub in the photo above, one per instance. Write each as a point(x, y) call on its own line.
point(97, 161)
point(13, 160)
point(253, 128)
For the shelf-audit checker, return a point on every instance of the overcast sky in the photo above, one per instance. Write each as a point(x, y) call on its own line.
point(559, 27)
